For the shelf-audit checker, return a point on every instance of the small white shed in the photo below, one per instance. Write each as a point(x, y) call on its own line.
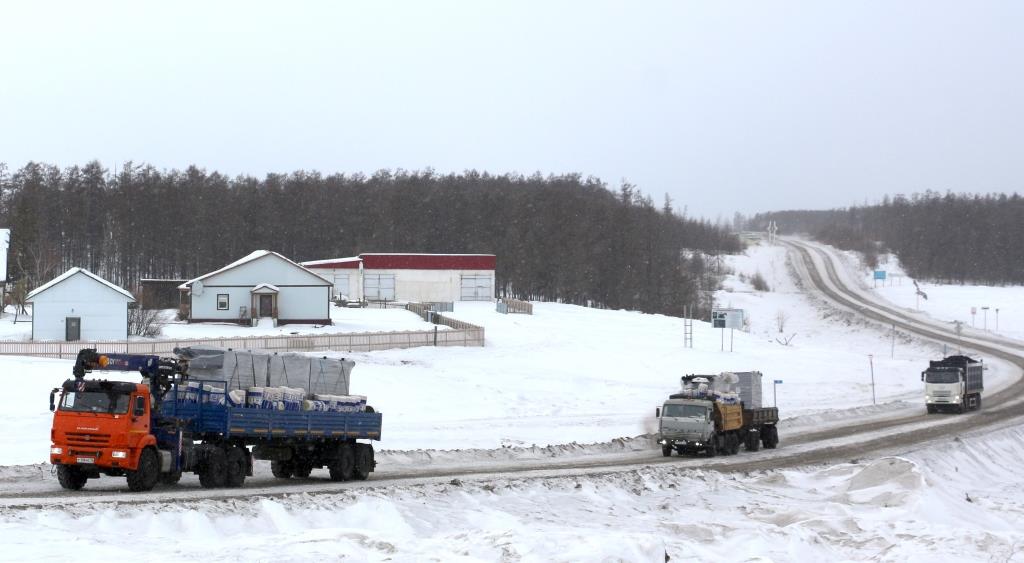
point(264, 284)
point(79, 305)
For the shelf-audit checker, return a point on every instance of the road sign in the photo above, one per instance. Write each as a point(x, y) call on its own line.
point(727, 318)
point(880, 275)
point(778, 381)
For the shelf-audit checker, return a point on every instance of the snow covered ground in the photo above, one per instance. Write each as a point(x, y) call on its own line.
point(954, 302)
point(928, 505)
point(345, 320)
point(570, 374)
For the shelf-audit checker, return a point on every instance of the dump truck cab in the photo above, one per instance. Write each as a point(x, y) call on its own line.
point(686, 424)
point(99, 427)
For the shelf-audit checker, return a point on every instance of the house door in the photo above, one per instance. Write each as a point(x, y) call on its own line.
point(266, 305)
point(73, 329)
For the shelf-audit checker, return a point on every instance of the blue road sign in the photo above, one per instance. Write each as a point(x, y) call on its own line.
point(879, 274)
point(778, 381)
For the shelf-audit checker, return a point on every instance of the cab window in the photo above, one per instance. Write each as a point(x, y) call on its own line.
point(95, 401)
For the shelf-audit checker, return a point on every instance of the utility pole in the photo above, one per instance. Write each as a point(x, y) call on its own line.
point(871, 360)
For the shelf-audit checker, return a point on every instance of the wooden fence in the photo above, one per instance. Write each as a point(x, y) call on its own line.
point(465, 334)
point(517, 306)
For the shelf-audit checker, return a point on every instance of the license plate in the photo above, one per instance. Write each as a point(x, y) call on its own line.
point(85, 460)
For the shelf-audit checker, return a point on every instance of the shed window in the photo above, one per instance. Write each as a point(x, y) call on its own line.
point(222, 301)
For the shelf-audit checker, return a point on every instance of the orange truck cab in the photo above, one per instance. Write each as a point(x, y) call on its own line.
point(101, 427)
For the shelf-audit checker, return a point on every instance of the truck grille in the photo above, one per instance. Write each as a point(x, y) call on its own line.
point(88, 439)
point(941, 394)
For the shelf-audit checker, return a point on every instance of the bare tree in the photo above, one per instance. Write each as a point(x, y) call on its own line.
point(780, 320)
point(145, 322)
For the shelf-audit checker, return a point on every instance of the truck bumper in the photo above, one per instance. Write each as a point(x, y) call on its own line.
point(99, 458)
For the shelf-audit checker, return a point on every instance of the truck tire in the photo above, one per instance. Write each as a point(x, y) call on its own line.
point(712, 449)
point(931, 409)
point(213, 472)
point(977, 403)
point(343, 465)
point(734, 444)
point(754, 441)
point(70, 477)
point(771, 438)
point(170, 478)
point(281, 469)
point(666, 450)
point(144, 478)
point(234, 475)
point(364, 462)
point(303, 468)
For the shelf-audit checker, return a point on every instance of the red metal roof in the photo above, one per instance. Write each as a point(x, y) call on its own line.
point(382, 261)
point(428, 261)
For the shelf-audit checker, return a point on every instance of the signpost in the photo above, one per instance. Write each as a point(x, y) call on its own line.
point(775, 395)
point(974, 311)
point(984, 310)
point(727, 319)
point(871, 360)
point(879, 275)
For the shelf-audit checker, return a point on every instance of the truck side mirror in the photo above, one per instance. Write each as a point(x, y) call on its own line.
point(52, 407)
point(922, 376)
point(140, 406)
point(657, 412)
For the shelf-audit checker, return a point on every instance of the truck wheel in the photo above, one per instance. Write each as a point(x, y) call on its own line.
point(364, 462)
point(213, 472)
point(303, 469)
point(70, 477)
point(712, 449)
point(753, 441)
point(234, 475)
point(170, 478)
point(735, 449)
point(666, 450)
point(144, 478)
point(977, 403)
point(341, 468)
point(931, 409)
point(772, 438)
point(281, 469)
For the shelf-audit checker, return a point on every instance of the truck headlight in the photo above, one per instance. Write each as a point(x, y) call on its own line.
point(118, 454)
point(956, 399)
point(56, 450)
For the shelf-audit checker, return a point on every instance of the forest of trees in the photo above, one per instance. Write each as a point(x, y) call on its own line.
point(949, 237)
point(563, 238)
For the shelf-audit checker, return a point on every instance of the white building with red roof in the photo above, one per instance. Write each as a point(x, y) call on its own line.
point(410, 277)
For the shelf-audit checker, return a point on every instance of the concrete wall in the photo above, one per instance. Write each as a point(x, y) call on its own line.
point(104, 312)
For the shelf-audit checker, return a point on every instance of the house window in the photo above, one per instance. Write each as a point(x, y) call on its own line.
point(222, 301)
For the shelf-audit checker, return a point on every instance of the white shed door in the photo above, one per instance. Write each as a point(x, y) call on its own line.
point(341, 285)
point(379, 287)
point(476, 288)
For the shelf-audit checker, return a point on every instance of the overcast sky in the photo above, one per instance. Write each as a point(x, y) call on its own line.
point(725, 106)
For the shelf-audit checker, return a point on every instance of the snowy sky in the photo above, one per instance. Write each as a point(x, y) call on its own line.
point(740, 106)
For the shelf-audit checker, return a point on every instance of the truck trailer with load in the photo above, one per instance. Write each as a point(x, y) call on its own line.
point(173, 422)
point(709, 416)
point(953, 383)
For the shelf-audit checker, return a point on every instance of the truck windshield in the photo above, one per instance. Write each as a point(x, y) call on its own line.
point(95, 401)
point(942, 377)
point(688, 411)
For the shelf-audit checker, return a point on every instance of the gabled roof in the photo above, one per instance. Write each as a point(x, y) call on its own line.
point(252, 258)
point(265, 288)
point(68, 274)
point(330, 261)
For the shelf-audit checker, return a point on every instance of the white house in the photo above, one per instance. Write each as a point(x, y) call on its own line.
point(79, 305)
point(410, 277)
point(264, 284)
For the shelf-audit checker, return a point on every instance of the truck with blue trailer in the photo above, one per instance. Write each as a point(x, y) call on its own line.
point(172, 423)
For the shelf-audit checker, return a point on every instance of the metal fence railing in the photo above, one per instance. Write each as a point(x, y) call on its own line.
point(463, 335)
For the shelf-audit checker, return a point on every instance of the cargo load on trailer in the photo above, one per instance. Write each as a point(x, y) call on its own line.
point(211, 412)
point(954, 383)
point(716, 414)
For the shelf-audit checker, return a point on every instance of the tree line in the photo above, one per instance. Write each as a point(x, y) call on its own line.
point(559, 237)
point(957, 238)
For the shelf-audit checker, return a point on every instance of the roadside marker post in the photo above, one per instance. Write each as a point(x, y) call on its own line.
point(775, 395)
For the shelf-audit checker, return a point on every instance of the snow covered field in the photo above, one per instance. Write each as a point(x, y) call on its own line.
point(570, 374)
